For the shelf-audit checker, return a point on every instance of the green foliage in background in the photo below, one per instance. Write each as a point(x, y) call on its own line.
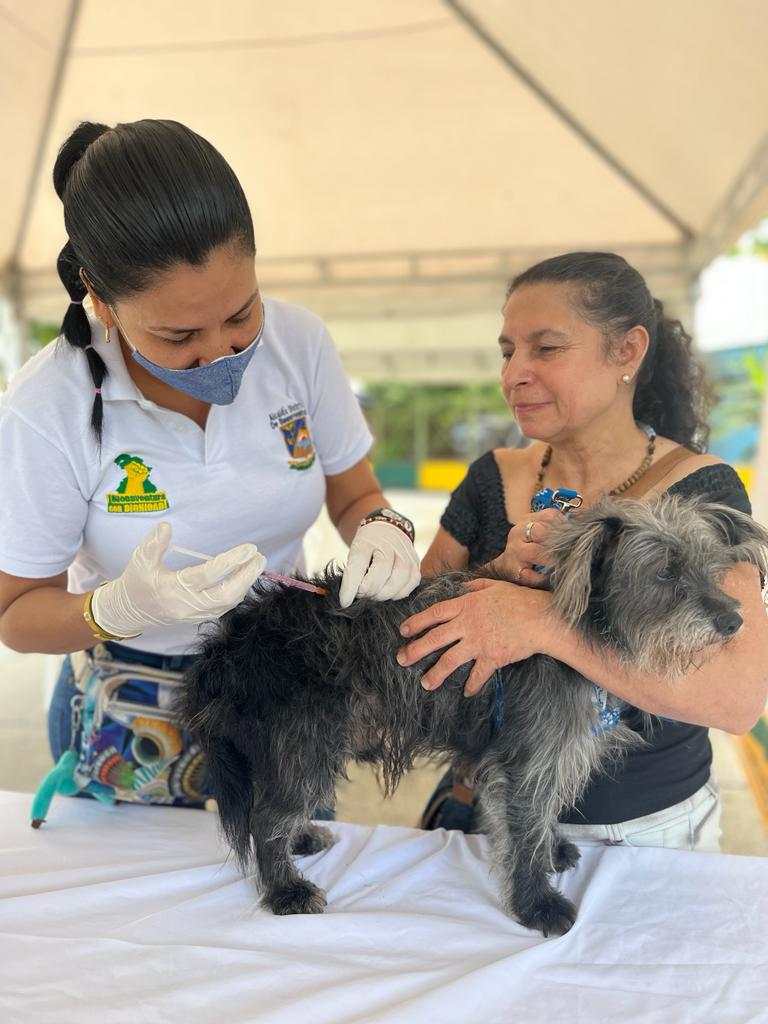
point(40, 332)
point(412, 422)
point(752, 243)
point(739, 377)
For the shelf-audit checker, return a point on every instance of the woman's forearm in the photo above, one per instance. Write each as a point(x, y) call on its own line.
point(46, 620)
point(726, 688)
point(351, 495)
point(348, 522)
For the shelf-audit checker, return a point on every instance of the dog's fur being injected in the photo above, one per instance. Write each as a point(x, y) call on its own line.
point(291, 687)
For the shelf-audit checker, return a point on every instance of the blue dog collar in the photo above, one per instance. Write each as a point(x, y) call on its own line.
point(608, 715)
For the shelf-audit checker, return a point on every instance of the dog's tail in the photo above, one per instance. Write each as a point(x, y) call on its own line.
point(229, 779)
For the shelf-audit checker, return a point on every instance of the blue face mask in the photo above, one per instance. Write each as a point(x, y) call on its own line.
point(217, 382)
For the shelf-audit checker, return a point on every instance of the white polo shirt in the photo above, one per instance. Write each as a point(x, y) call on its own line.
point(256, 473)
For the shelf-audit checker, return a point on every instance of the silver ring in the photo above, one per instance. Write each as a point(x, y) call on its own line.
point(528, 532)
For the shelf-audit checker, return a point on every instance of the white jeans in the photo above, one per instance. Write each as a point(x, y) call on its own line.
point(693, 824)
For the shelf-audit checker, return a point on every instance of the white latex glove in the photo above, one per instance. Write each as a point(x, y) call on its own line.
point(148, 594)
point(382, 564)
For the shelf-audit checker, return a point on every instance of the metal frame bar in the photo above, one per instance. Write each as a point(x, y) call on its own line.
point(388, 282)
point(725, 224)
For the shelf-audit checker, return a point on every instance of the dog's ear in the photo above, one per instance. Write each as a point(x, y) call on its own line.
point(747, 538)
point(580, 549)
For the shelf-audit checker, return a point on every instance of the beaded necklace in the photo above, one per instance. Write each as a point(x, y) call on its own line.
point(641, 469)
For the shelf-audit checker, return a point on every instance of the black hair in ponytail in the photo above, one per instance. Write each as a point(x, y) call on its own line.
point(76, 327)
point(139, 199)
point(671, 394)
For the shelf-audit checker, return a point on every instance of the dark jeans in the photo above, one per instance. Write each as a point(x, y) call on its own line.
point(60, 711)
point(443, 810)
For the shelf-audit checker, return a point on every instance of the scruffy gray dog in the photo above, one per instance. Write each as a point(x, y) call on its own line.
point(291, 687)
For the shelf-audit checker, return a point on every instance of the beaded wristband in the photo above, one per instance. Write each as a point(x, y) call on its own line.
point(388, 515)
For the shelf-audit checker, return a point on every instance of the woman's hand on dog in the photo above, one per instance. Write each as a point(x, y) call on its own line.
point(526, 547)
point(494, 624)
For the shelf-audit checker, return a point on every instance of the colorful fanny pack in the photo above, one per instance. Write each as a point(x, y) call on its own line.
point(125, 744)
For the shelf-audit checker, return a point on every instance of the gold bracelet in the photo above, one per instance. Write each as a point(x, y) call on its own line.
point(93, 625)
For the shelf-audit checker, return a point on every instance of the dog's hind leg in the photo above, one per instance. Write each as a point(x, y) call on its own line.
point(258, 831)
point(296, 774)
point(523, 852)
point(284, 888)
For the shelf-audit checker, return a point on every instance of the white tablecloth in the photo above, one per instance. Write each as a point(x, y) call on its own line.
point(132, 914)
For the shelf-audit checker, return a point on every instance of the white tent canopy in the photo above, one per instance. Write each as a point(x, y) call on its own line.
point(402, 160)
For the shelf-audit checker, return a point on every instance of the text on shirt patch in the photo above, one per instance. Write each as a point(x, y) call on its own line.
point(292, 423)
point(135, 492)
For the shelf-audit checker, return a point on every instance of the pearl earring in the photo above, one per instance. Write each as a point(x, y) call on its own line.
point(627, 378)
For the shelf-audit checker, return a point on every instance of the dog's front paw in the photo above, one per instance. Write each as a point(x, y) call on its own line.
point(312, 839)
point(566, 855)
point(554, 915)
point(301, 897)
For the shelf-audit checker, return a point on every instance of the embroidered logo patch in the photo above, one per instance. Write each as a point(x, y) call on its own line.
point(135, 492)
point(292, 423)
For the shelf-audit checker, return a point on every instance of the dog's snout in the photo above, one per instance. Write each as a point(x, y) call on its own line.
point(728, 623)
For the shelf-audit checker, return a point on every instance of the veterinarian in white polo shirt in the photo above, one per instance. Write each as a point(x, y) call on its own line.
point(187, 411)
point(255, 474)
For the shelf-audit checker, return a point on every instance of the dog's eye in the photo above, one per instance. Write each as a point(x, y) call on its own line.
point(665, 574)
